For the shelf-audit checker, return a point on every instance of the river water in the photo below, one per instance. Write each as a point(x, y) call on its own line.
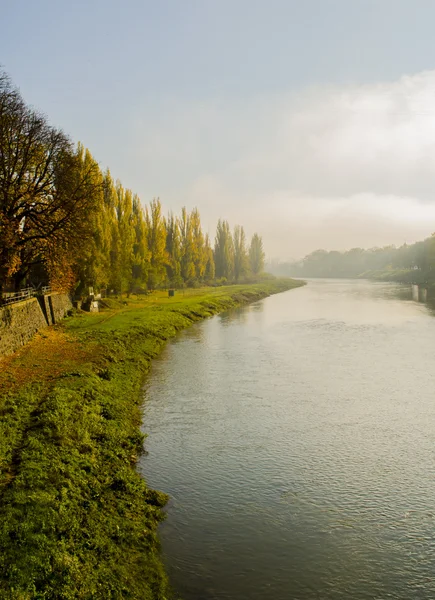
point(296, 438)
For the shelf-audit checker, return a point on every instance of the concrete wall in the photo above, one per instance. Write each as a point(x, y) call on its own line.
point(19, 322)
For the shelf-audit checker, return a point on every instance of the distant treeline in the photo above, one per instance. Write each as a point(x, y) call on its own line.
point(65, 222)
point(414, 263)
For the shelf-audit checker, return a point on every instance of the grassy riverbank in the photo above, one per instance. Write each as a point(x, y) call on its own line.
point(76, 520)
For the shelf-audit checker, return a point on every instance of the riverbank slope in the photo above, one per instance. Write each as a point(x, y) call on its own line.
point(76, 519)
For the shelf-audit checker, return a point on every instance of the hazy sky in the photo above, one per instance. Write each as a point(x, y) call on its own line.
point(311, 121)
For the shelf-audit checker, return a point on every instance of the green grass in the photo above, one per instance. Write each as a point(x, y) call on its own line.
point(76, 519)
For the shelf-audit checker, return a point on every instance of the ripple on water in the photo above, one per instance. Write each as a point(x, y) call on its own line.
point(296, 439)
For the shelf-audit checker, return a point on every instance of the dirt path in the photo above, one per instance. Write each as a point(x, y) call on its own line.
point(49, 354)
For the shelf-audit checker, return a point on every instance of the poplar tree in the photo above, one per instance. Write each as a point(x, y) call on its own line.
point(111, 219)
point(173, 249)
point(241, 261)
point(141, 253)
point(92, 257)
point(126, 237)
point(156, 233)
point(199, 258)
point(256, 254)
point(209, 273)
point(102, 239)
point(187, 252)
point(224, 251)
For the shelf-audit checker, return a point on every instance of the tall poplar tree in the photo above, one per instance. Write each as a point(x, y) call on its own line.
point(141, 253)
point(209, 273)
point(199, 258)
point(256, 254)
point(224, 251)
point(173, 249)
point(187, 252)
point(156, 232)
point(241, 261)
point(111, 219)
point(102, 239)
point(126, 239)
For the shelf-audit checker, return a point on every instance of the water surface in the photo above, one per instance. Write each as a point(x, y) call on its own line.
point(296, 439)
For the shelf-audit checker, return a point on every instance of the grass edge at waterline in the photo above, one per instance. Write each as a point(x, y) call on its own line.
point(77, 520)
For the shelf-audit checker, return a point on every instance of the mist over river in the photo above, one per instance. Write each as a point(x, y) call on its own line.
point(296, 438)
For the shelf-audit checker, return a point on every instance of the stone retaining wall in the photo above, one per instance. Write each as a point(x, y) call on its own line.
point(19, 322)
point(60, 304)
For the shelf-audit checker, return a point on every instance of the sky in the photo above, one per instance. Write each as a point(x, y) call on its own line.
point(310, 122)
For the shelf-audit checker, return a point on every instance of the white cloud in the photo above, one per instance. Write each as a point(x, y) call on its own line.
point(329, 166)
point(344, 141)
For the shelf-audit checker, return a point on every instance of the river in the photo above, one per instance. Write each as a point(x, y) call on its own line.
point(296, 438)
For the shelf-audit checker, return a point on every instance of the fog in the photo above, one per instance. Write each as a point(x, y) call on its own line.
point(312, 122)
point(328, 166)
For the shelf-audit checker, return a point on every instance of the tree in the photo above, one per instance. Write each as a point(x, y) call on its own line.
point(241, 261)
point(112, 216)
point(46, 191)
point(92, 257)
point(187, 255)
point(224, 251)
point(256, 254)
point(173, 249)
point(156, 232)
point(199, 256)
point(126, 237)
point(141, 253)
point(209, 273)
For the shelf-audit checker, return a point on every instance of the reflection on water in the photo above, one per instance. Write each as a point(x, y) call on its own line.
point(296, 439)
point(196, 334)
point(419, 293)
point(425, 296)
point(240, 315)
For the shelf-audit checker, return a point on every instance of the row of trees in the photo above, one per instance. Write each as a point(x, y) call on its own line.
point(134, 246)
point(64, 221)
point(409, 262)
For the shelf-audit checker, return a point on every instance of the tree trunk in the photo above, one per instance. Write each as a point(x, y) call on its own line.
point(18, 278)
